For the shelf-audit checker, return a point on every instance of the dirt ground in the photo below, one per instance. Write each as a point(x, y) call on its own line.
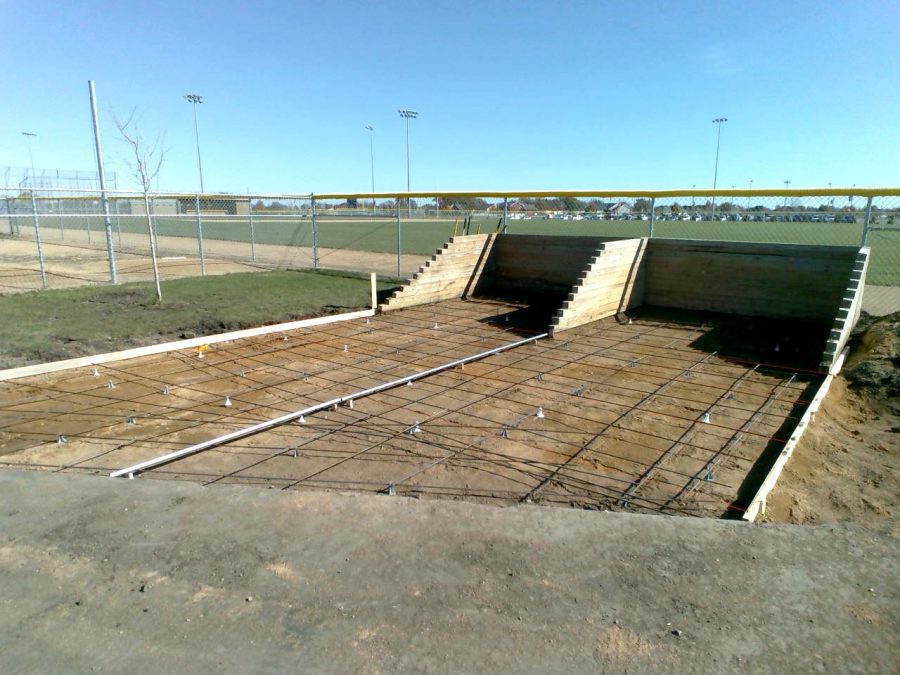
point(76, 262)
point(847, 465)
point(667, 413)
point(103, 575)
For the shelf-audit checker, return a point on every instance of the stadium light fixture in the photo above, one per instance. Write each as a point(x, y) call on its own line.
point(194, 99)
point(719, 121)
point(408, 115)
point(372, 154)
point(29, 136)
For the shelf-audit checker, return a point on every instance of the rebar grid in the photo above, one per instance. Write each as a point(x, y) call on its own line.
point(584, 383)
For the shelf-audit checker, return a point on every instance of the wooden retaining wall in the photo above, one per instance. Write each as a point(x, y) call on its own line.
point(449, 273)
point(613, 282)
point(772, 280)
point(522, 266)
point(850, 308)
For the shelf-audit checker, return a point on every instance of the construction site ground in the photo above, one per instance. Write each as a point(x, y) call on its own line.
point(115, 575)
point(103, 575)
point(672, 412)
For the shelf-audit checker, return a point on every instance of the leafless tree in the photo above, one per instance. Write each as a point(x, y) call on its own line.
point(145, 161)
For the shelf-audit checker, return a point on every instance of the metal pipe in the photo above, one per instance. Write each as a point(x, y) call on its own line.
point(37, 238)
point(652, 215)
point(290, 417)
point(252, 230)
point(398, 240)
point(107, 222)
point(315, 234)
point(200, 235)
point(865, 232)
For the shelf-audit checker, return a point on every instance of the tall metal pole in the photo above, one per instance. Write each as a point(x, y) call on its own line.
point(718, 121)
point(398, 239)
point(29, 136)
point(372, 154)
point(107, 221)
point(315, 232)
point(787, 184)
point(407, 115)
point(200, 235)
point(37, 239)
point(195, 99)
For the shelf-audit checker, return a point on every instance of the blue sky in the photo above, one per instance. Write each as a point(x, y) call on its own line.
point(511, 95)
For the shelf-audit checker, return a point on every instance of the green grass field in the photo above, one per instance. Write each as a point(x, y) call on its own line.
point(57, 324)
point(423, 237)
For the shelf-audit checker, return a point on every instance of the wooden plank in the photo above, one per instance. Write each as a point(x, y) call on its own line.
point(606, 287)
point(846, 318)
point(110, 357)
point(758, 503)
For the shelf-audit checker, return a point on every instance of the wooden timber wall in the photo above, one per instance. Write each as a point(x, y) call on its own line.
point(612, 282)
point(848, 312)
point(448, 274)
point(525, 266)
point(773, 280)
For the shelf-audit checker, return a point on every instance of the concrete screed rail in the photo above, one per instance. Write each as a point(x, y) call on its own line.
point(290, 417)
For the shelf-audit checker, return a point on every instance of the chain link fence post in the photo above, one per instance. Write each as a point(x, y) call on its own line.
point(398, 238)
point(252, 229)
point(37, 238)
point(866, 222)
point(652, 216)
point(315, 232)
point(200, 234)
point(13, 220)
point(118, 224)
point(505, 212)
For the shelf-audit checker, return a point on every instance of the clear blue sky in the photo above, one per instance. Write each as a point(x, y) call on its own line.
point(511, 95)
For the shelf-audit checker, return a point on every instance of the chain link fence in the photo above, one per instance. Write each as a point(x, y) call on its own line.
point(54, 238)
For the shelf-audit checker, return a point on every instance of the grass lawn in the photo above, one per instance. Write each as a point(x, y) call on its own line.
point(50, 325)
point(423, 237)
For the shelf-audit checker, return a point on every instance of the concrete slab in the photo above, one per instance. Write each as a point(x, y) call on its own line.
point(153, 576)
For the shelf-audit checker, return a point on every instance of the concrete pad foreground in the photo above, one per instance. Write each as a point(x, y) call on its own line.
point(158, 576)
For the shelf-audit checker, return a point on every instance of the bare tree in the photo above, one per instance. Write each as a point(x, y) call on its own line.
point(145, 162)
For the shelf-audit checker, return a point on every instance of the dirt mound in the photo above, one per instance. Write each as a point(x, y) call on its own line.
point(873, 365)
point(846, 466)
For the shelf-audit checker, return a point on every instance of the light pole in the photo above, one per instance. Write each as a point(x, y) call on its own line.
point(29, 136)
point(718, 121)
point(372, 158)
point(407, 115)
point(787, 184)
point(194, 99)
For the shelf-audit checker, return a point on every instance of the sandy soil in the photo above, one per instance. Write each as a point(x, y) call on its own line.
point(106, 575)
point(847, 465)
point(76, 262)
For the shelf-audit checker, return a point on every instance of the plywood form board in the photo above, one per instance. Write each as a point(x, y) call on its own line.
point(613, 282)
point(848, 314)
point(778, 281)
point(447, 275)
